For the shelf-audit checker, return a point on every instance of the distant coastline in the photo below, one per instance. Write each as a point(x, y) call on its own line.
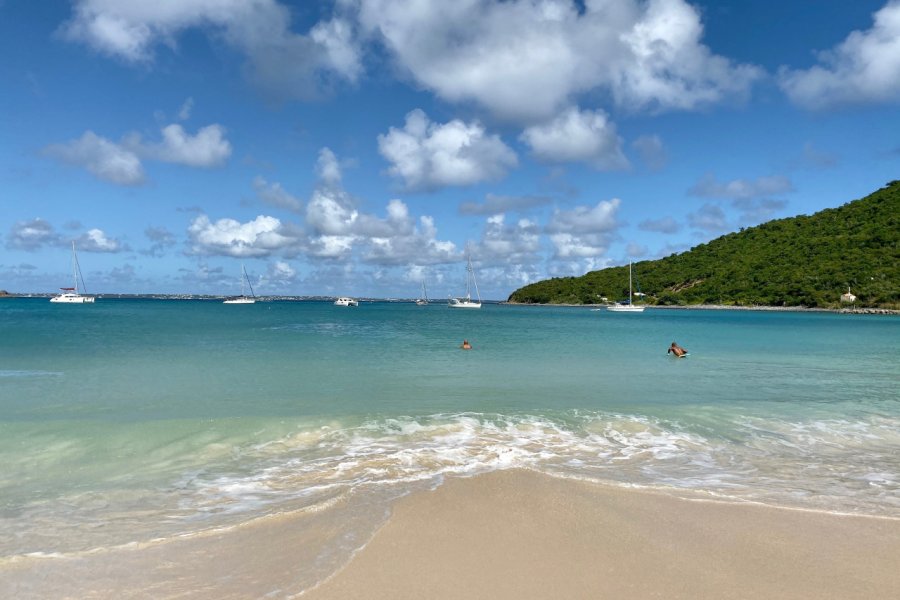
point(803, 309)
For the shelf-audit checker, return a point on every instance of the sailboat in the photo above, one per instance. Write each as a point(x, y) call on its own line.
point(70, 295)
point(242, 299)
point(424, 299)
point(467, 302)
point(626, 307)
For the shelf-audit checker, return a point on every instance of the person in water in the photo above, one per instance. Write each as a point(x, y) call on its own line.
point(676, 350)
point(466, 345)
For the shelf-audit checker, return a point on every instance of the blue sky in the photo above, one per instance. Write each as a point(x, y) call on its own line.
point(359, 147)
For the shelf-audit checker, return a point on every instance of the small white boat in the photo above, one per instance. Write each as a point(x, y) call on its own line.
point(344, 301)
point(467, 302)
point(424, 299)
point(242, 299)
point(627, 308)
point(70, 295)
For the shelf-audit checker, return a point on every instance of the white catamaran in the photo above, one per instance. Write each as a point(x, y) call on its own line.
point(242, 299)
point(631, 308)
point(70, 295)
point(467, 302)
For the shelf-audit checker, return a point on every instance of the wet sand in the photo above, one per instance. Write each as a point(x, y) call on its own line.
point(520, 535)
point(504, 535)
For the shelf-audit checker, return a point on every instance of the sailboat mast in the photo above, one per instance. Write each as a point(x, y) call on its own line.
point(474, 281)
point(629, 283)
point(74, 268)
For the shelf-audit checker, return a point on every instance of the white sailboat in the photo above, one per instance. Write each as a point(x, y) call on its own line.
point(424, 299)
point(242, 299)
point(630, 308)
point(70, 295)
point(467, 301)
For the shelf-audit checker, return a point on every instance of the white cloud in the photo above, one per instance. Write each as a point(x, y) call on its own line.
point(32, 235)
point(584, 232)
point(120, 163)
point(208, 148)
point(741, 189)
point(285, 63)
point(95, 240)
point(106, 160)
point(262, 236)
point(514, 244)
point(429, 155)
point(863, 69)
point(275, 195)
point(577, 136)
point(524, 60)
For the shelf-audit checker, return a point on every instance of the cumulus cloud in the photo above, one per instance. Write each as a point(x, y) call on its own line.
point(428, 155)
point(577, 136)
point(120, 162)
point(863, 69)
point(509, 244)
point(663, 225)
point(525, 60)
point(584, 232)
point(207, 148)
point(32, 235)
point(494, 204)
point(275, 195)
point(96, 240)
point(284, 63)
point(260, 237)
point(106, 160)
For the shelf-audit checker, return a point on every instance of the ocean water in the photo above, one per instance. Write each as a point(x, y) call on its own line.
point(140, 421)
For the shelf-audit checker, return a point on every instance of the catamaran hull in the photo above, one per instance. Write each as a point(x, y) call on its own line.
point(73, 299)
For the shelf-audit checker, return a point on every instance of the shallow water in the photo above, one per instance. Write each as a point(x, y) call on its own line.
point(135, 420)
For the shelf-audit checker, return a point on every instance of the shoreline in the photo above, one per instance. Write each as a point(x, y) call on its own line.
point(507, 535)
point(797, 309)
point(518, 534)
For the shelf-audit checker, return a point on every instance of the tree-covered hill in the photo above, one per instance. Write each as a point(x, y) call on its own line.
point(799, 261)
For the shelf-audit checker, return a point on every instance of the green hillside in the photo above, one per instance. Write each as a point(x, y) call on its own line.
point(799, 261)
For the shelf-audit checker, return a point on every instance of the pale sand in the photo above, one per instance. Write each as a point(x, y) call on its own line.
point(520, 535)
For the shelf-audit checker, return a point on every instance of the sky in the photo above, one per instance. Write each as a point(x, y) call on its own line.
point(361, 147)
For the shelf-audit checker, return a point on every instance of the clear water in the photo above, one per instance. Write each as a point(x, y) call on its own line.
point(135, 420)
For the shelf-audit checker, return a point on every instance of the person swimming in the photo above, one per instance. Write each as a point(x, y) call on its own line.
point(466, 345)
point(676, 350)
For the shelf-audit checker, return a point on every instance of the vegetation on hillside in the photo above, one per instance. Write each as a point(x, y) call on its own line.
point(799, 261)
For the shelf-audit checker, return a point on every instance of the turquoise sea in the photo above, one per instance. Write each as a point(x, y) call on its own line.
point(130, 421)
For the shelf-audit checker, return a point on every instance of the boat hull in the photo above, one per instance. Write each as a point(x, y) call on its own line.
point(72, 299)
point(239, 301)
point(625, 308)
point(457, 303)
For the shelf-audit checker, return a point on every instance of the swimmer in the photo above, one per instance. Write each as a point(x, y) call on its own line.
point(466, 345)
point(677, 350)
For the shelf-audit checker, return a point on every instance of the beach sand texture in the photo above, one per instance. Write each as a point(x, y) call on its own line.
point(509, 535)
point(517, 534)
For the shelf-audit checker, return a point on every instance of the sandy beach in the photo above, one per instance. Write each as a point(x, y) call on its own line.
point(505, 535)
point(517, 534)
